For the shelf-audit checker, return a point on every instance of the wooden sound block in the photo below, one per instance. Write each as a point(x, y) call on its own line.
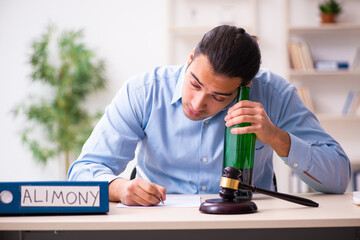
point(220, 206)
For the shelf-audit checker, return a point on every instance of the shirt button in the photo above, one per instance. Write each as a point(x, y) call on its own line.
point(203, 188)
point(206, 122)
point(205, 160)
point(296, 164)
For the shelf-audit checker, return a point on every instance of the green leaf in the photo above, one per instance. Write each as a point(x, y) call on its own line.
point(330, 7)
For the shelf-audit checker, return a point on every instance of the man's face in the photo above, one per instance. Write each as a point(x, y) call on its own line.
point(204, 93)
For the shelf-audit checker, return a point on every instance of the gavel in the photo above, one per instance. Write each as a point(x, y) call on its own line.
point(231, 183)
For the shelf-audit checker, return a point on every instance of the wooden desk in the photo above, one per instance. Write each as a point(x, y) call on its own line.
point(335, 217)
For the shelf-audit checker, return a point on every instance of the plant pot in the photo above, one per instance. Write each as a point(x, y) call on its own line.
point(328, 18)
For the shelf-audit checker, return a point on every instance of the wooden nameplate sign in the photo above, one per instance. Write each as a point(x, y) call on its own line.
point(19, 198)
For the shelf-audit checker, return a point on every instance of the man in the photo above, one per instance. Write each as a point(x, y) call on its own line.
point(177, 115)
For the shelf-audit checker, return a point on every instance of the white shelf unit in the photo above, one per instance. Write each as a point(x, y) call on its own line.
point(325, 28)
point(189, 20)
point(329, 89)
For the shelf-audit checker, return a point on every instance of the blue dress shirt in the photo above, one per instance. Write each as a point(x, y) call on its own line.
point(186, 156)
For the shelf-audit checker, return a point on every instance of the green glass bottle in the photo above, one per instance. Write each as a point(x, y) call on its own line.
point(239, 151)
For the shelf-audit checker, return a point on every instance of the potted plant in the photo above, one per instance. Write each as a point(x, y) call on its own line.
point(57, 123)
point(329, 10)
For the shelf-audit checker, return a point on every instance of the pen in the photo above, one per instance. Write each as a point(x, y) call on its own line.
point(143, 175)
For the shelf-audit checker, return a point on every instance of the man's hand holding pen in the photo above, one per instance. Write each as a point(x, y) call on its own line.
point(136, 192)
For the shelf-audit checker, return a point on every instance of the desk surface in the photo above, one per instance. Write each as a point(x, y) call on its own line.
point(334, 211)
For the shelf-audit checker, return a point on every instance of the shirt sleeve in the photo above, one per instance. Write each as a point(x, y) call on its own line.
point(113, 141)
point(314, 155)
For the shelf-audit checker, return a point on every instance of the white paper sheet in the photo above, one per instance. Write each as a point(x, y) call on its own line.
point(172, 201)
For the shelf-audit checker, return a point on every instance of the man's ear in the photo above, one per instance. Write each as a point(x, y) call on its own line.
point(249, 84)
point(191, 57)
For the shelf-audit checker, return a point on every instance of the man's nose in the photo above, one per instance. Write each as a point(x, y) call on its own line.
point(199, 102)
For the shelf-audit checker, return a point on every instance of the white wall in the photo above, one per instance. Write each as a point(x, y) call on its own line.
point(129, 35)
point(273, 41)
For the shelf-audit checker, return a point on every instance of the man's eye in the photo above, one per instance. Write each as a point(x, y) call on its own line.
point(219, 99)
point(194, 85)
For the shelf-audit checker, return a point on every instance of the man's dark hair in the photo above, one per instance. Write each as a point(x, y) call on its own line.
point(231, 51)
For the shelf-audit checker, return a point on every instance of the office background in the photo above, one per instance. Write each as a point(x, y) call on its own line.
point(132, 37)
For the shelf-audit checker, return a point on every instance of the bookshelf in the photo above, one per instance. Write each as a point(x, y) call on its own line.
point(334, 73)
point(188, 20)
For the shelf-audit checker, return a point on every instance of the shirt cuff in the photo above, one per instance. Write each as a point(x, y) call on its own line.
point(106, 178)
point(299, 155)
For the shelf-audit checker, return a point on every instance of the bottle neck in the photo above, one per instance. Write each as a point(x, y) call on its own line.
point(243, 93)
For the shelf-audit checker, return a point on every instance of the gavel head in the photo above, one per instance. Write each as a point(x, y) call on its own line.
point(229, 184)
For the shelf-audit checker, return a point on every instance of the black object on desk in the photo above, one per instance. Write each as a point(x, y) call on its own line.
point(228, 203)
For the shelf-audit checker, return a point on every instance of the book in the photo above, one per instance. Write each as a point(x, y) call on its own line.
point(300, 56)
point(331, 65)
point(309, 63)
point(294, 57)
point(349, 99)
point(356, 62)
point(352, 104)
point(356, 198)
point(356, 177)
point(306, 97)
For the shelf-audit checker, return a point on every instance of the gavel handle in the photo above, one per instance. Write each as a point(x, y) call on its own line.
point(286, 197)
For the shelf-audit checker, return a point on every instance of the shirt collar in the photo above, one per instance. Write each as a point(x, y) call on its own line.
point(179, 86)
